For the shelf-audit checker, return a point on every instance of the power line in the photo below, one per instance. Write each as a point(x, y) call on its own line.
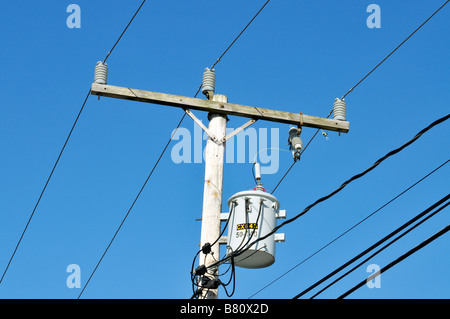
point(381, 249)
point(123, 32)
point(239, 35)
point(378, 243)
point(351, 228)
point(399, 259)
point(131, 207)
point(234, 41)
point(392, 52)
point(62, 150)
point(45, 186)
point(343, 185)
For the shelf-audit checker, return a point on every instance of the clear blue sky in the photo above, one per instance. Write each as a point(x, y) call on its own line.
point(297, 56)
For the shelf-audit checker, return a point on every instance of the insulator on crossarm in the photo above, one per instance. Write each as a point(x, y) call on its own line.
point(295, 142)
point(209, 82)
point(339, 107)
point(101, 73)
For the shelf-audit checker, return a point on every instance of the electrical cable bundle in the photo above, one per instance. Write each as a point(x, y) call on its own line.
point(425, 215)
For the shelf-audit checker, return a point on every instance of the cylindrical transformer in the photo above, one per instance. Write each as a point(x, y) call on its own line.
point(339, 107)
point(209, 81)
point(101, 73)
point(253, 215)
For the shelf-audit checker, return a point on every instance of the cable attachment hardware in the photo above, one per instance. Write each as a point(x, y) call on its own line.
point(301, 120)
point(200, 270)
point(295, 142)
point(209, 83)
point(206, 248)
point(210, 283)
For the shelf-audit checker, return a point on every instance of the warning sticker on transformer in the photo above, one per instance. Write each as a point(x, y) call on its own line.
point(247, 226)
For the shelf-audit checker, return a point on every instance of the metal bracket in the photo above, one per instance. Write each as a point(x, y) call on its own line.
point(199, 123)
point(239, 129)
point(280, 238)
point(281, 214)
point(212, 136)
point(223, 240)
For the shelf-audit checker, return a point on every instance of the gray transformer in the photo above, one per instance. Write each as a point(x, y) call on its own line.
point(253, 215)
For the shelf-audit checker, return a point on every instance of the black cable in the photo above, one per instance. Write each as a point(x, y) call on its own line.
point(378, 243)
point(380, 250)
point(233, 276)
point(399, 259)
point(289, 169)
point(246, 222)
point(192, 273)
point(355, 177)
point(232, 43)
point(239, 35)
point(132, 205)
point(123, 32)
point(352, 227)
point(226, 224)
point(226, 271)
point(45, 186)
point(392, 52)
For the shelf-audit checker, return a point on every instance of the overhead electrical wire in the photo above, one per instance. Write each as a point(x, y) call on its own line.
point(352, 227)
point(239, 35)
point(234, 41)
point(343, 185)
point(45, 186)
point(128, 212)
point(396, 261)
point(63, 148)
point(380, 242)
point(383, 248)
point(360, 81)
point(123, 32)
point(393, 51)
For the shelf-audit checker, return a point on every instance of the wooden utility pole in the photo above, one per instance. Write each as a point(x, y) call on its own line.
point(218, 108)
point(212, 194)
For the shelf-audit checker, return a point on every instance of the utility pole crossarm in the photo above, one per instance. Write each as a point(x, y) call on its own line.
point(219, 107)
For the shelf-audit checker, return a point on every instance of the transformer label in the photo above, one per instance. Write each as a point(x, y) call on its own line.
point(247, 226)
